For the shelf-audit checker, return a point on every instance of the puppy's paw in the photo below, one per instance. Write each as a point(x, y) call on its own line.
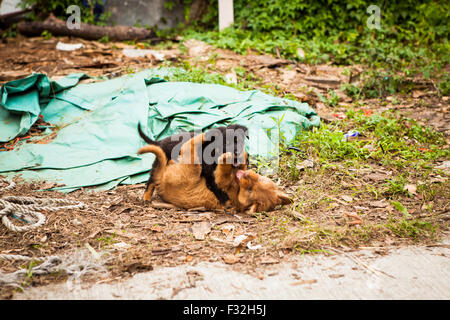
point(147, 195)
point(162, 205)
point(225, 158)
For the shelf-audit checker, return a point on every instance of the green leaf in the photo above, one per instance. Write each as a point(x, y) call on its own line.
point(397, 205)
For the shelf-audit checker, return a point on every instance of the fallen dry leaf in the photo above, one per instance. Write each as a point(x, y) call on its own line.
point(445, 166)
point(375, 176)
point(156, 228)
point(347, 198)
point(355, 216)
point(243, 239)
point(305, 164)
point(230, 259)
point(296, 283)
point(379, 204)
point(336, 275)
point(201, 229)
point(269, 260)
point(121, 245)
point(411, 188)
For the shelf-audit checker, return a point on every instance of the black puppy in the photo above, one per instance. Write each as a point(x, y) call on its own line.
point(232, 141)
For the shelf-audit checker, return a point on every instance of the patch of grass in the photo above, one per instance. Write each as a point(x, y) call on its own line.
point(396, 186)
point(332, 99)
point(108, 240)
point(29, 271)
point(414, 229)
point(327, 143)
point(185, 72)
point(430, 191)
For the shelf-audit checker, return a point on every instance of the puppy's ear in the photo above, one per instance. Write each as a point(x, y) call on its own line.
point(283, 198)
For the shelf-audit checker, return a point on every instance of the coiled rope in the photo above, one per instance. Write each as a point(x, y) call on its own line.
point(27, 209)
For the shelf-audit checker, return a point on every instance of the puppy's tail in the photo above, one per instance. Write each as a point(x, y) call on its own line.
point(145, 137)
point(161, 158)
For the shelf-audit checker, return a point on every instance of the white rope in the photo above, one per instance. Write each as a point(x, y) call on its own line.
point(13, 257)
point(74, 264)
point(11, 184)
point(27, 209)
point(49, 265)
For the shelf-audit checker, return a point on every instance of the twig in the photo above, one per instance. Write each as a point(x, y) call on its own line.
point(358, 261)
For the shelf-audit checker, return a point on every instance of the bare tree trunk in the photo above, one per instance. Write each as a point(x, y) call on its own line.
point(10, 18)
point(86, 31)
point(198, 10)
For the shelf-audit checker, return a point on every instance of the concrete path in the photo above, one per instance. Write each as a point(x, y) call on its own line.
point(404, 273)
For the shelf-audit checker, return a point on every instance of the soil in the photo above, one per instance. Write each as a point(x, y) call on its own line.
point(140, 237)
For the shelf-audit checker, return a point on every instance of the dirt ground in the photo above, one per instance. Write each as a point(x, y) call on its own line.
point(139, 237)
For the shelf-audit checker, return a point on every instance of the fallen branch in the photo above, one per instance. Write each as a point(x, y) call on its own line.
point(86, 31)
point(10, 18)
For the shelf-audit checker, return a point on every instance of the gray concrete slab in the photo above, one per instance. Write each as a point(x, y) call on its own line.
point(151, 13)
point(414, 272)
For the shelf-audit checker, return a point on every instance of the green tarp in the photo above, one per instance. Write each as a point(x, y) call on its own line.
point(96, 124)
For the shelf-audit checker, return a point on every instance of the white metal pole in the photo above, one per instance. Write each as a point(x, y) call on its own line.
point(226, 14)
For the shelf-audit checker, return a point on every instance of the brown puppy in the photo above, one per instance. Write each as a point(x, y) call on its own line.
point(217, 141)
point(247, 189)
point(259, 192)
point(180, 183)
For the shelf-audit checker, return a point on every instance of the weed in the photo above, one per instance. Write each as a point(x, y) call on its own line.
point(108, 240)
point(104, 39)
point(396, 186)
point(47, 35)
point(10, 32)
point(397, 205)
point(413, 229)
point(332, 99)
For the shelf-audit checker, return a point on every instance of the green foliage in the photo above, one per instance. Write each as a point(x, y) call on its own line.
point(11, 32)
point(344, 19)
point(397, 205)
point(333, 99)
point(169, 5)
point(47, 35)
point(104, 39)
point(58, 7)
point(413, 38)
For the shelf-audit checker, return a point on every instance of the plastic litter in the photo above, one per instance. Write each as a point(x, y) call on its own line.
point(139, 53)
point(135, 53)
point(351, 135)
point(68, 46)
